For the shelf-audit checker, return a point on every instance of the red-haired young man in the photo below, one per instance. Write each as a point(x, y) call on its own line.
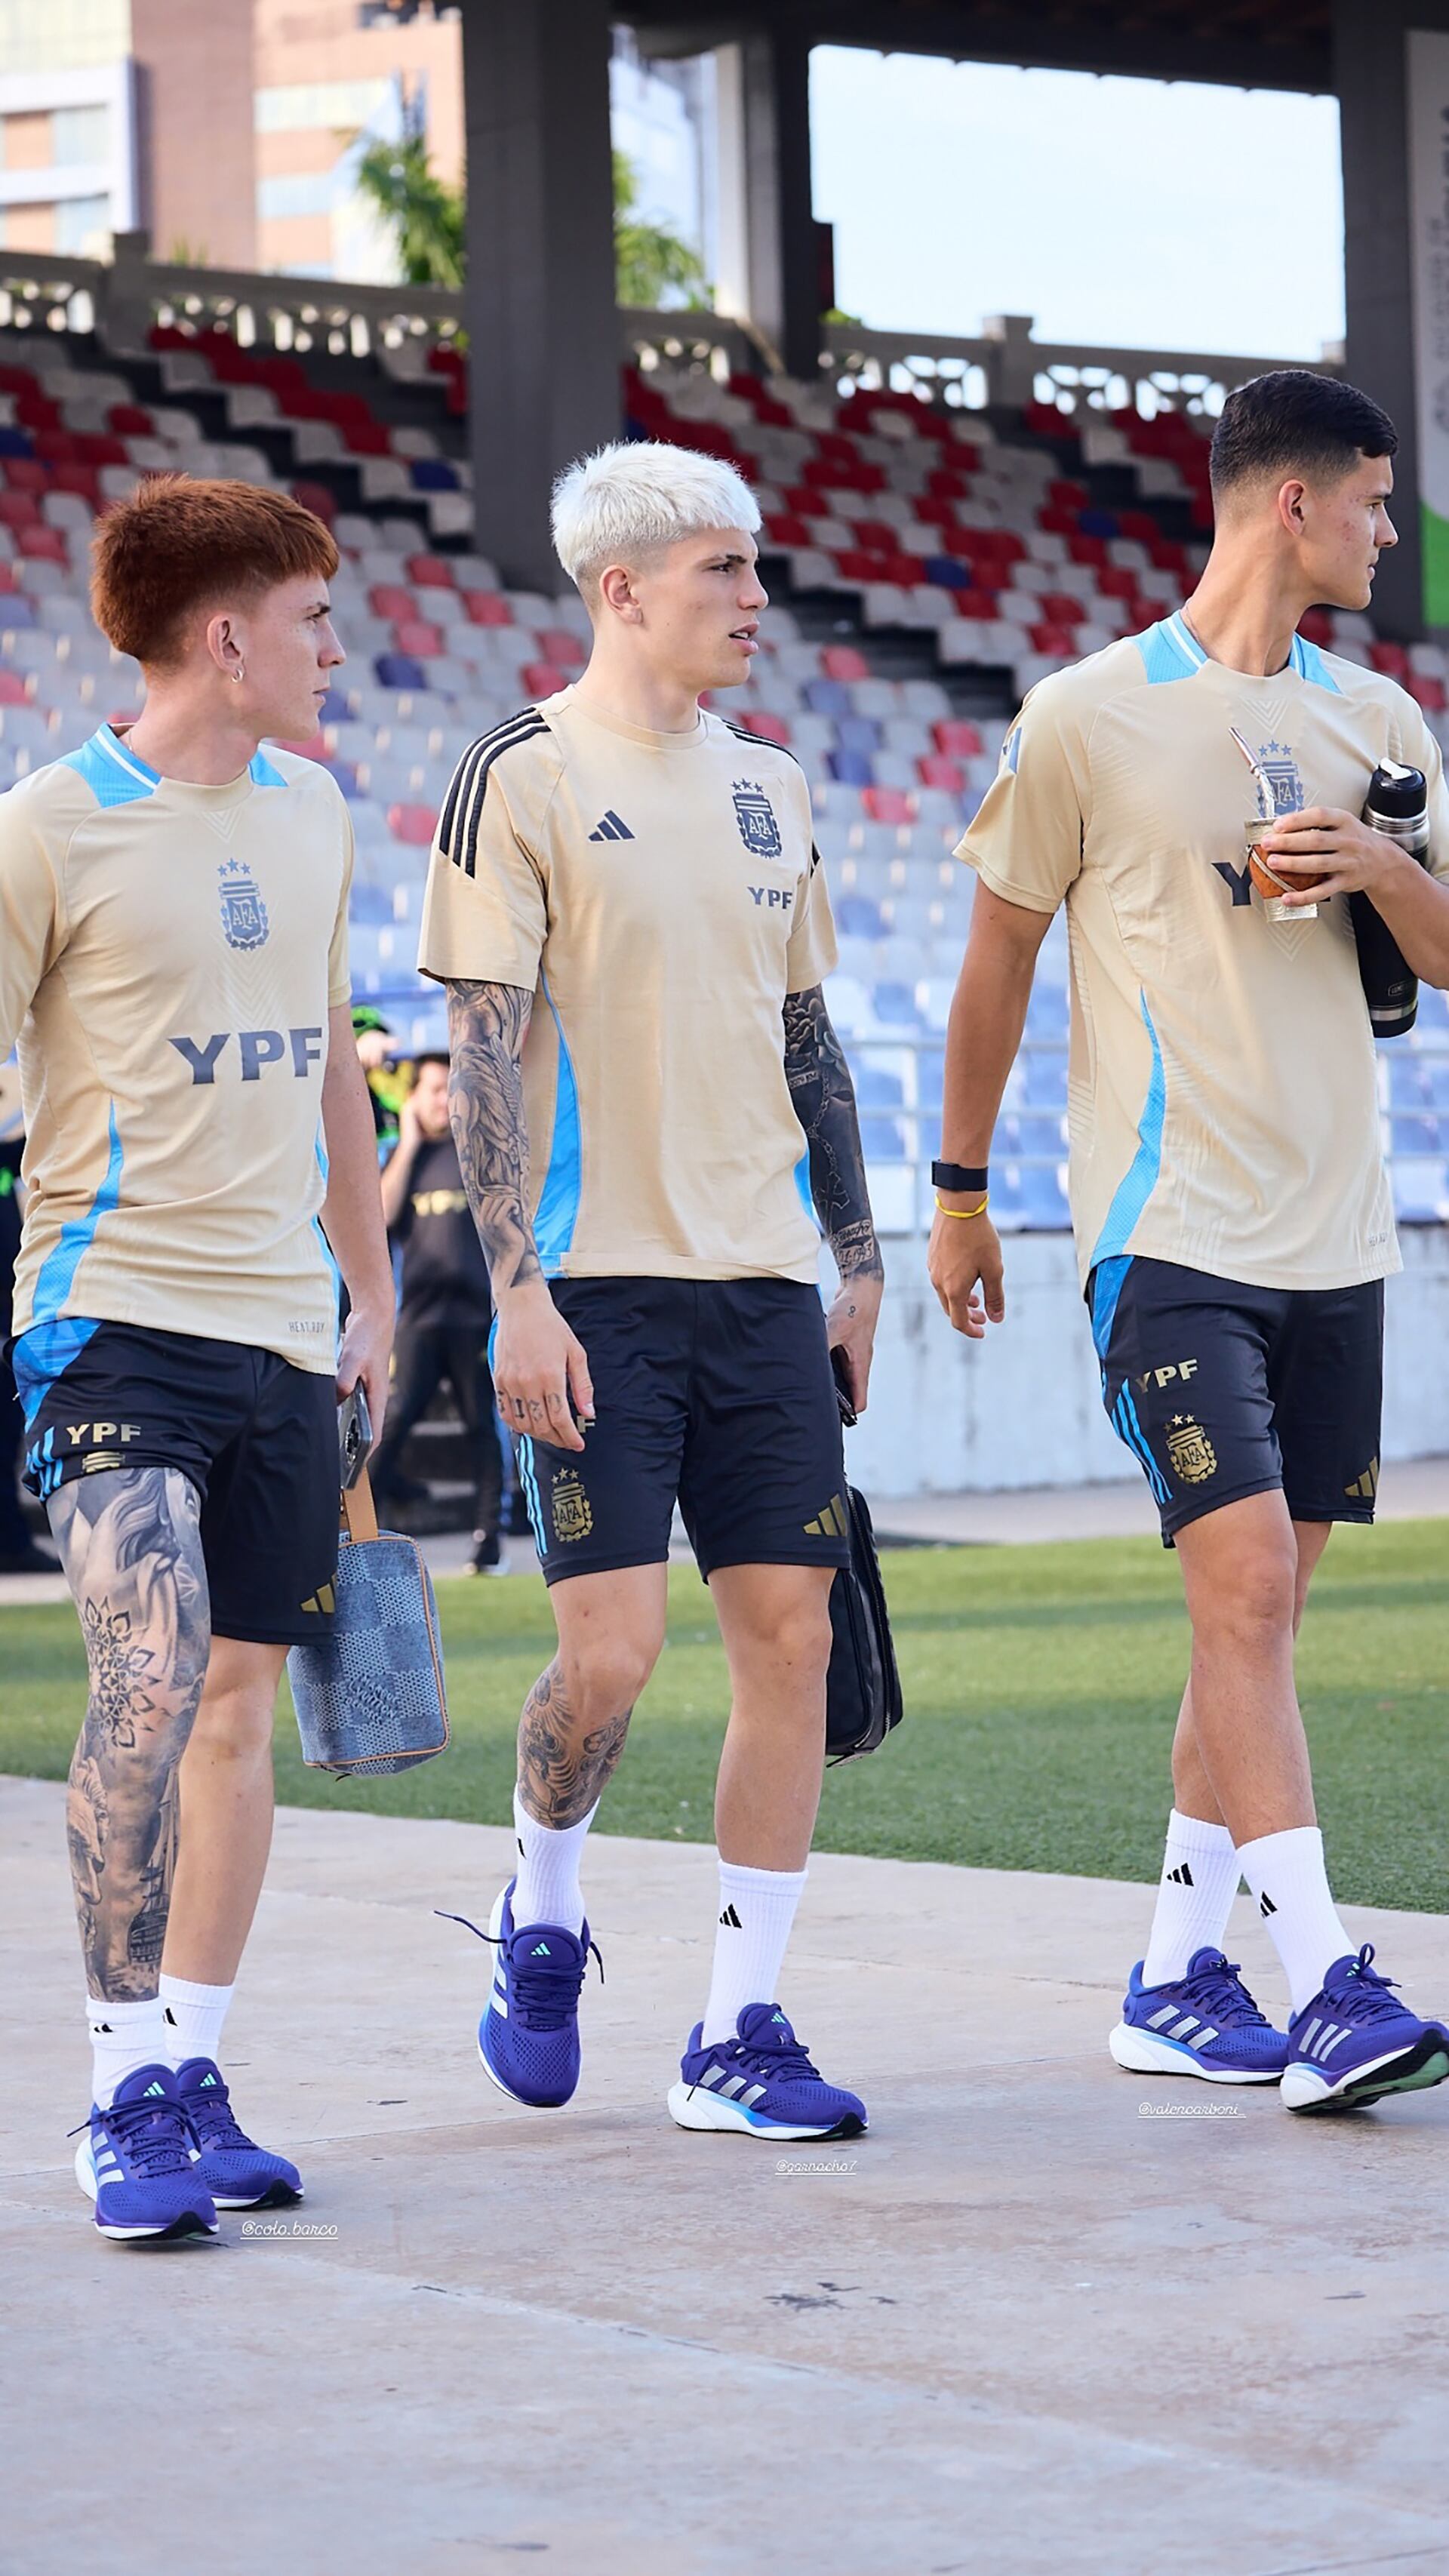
point(173, 904)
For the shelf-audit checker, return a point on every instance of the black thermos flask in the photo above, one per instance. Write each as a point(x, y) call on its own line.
point(1397, 803)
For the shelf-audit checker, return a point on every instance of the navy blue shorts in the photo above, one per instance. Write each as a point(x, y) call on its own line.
point(717, 1393)
point(255, 1436)
point(1222, 1391)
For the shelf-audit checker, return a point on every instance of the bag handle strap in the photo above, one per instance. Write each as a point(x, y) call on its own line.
point(359, 1511)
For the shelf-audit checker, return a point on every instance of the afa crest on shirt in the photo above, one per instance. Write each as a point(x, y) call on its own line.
point(1281, 771)
point(755, 816)
point(243, 913)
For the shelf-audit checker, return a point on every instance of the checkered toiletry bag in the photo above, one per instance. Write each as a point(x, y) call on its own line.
point(370, 1697)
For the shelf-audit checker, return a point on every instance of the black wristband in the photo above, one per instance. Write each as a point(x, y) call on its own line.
point(959, 1176)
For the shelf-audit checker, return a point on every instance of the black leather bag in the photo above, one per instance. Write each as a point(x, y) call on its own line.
point(863, 1688)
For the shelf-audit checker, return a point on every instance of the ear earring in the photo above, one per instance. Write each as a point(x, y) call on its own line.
point(240, 672)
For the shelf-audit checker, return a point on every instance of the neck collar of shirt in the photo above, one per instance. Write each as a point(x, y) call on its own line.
point(115, 742)
point(1188, 644)
point(641, 734)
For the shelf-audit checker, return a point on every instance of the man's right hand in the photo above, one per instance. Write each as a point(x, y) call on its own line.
point(538, 1363)
point(964, 1256)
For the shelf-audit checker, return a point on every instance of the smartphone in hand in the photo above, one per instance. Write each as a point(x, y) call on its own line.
point(354, 1436)
point(845, 1399)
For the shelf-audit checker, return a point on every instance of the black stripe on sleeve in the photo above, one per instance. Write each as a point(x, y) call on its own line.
point(458, 824)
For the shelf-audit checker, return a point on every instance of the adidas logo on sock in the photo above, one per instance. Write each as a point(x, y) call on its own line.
point(611, 829)
point(1266, 1904)
point(1181, 1876)
point(730, 1918)
point(540, 1950)
point(170, 2016)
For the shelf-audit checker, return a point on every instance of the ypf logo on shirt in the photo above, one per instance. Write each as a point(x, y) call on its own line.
point(755, 816)
point(243, 913)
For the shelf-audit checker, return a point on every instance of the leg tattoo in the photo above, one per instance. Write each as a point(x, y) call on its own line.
point(561, 1775)
point(130, 1541)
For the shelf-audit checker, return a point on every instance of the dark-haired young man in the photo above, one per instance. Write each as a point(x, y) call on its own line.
point(173, 960)
point(445, 1310)
point(1233, 1218)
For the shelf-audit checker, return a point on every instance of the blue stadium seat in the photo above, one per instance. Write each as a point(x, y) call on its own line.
point(829, 698)
point(1049, 1011)
point(856, 917)
point(876, 1087)
point(857, 733)
point(400, 671)
point(1042, 1205)
point(1419, 1192)
point(930, 1078)
point(895, 1006)
point(434, 474)
point(14, 442)
point(850, 768)
point(1409, 1087)
point(1415, 1135)
point(1099, 523)
point(947, 573)
point(1044, 1081)
point(884, 1139)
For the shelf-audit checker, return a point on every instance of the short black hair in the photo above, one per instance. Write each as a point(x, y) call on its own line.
point(432, 1055)
point(1292, 421)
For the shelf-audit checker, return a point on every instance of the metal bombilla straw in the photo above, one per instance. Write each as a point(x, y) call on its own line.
point(1273, 905)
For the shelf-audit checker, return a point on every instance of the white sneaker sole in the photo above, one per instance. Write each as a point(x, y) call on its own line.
point(692, 2106)
point(1307, 2088)
point(85, 2175)
point(1141, 2052)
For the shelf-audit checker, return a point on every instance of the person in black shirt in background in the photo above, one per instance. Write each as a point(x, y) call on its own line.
point(19, 1553)
point(446, 1310)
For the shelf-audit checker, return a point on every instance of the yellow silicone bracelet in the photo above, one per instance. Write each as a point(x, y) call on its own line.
point(964, 1212)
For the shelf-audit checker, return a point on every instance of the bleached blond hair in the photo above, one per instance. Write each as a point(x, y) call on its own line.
point(626, 500)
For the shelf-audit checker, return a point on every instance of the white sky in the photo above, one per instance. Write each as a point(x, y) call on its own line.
point(1135, 214)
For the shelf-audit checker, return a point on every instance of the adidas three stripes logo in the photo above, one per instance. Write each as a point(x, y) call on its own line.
point(611, 829)
point(731, 1919)
point(1181, 1876)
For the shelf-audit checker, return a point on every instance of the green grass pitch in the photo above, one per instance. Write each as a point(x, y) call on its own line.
point(1040, 1686)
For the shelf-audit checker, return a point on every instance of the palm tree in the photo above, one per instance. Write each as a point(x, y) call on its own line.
point(653, 267)
point(425, 214)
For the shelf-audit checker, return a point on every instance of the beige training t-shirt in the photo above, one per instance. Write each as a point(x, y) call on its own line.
point(168, 956)
point(1223, 1109)
point(659, 895)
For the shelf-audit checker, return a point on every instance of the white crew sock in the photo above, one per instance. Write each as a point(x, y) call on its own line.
point(1290, 1889)
point(123, 2037)
point(548, 1889)
point(757, 1910)
point(1200, 1874)
point(194, 2018)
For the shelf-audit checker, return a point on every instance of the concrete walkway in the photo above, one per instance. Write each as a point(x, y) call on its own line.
point(1044, 2317)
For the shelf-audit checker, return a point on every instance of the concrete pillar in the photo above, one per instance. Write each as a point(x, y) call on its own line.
point(768, 263)
point(542, 322)
point(1368, 54)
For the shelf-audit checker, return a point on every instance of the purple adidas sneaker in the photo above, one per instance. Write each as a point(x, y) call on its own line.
point(1203, 2024)
point(237, 2173)
point(1353, 2043)
point(137, 2162)
point(761, 2082)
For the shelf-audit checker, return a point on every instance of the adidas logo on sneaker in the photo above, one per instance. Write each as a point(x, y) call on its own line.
point(730, 1918)
point(207, 2079)
point(540, 1950)
point(154, 2088)
point(1181, 1876)
point(1266, 1904)
point(611, 829)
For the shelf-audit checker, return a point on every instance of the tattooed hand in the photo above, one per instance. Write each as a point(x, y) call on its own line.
point(824, 1099)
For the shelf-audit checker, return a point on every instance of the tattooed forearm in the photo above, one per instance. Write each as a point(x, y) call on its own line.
point(824, 1098)
point(487, 1024)
point(130, 1541)
point(562, 1773)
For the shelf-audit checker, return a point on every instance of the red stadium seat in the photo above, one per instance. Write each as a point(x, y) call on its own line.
point(561, 646)
point(844, 662)
point(413, 635)
point(1429, 691)
point(13, 691)
point(1060, 608)
point(957, 739)
point(45, 545)
point(1060, 641)
point(26, 474)
point(935, 770)
point(784, 529)
point(544, 679)
point(487, 608)
point(888, 804)
point(414, 824)
point(391, 601)
point(769, 728)
point(1391, 659)
point(317, 498)
point(430, 572)
point(129, 420)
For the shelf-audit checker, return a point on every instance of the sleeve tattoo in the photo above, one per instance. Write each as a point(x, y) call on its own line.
point(487, 1024)
point(824, 1099)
